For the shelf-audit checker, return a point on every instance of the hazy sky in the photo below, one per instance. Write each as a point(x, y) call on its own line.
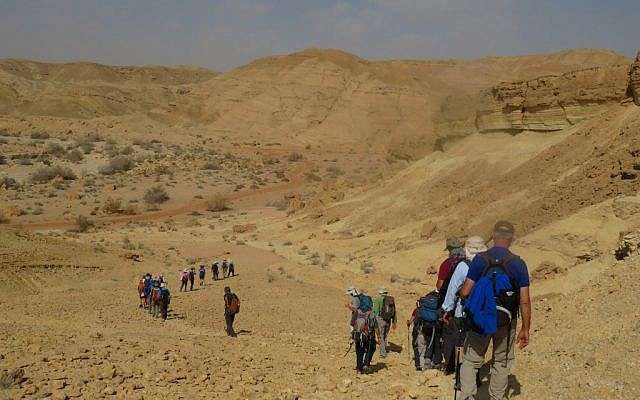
point(222, 34)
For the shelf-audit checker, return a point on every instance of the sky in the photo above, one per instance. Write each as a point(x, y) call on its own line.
point(223, 34)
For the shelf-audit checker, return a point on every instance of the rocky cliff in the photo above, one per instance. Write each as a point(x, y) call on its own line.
point(552, 103)
point(634, 80)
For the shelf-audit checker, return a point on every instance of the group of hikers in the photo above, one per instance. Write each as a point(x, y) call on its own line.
point(154, 295)
point(188, 276)
point(480, 293)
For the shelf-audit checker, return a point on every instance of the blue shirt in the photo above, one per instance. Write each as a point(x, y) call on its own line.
point(516, 267)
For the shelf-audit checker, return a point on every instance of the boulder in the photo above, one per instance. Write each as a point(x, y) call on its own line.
point(626, 207)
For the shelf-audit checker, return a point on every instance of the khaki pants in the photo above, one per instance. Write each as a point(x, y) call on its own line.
point(475, 348)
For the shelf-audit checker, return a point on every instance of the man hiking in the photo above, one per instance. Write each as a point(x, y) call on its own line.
point(165, 300)
point(232, 268)
point(424, 319)
point(384, 309)
point(363, 329)
point(225, 266)
point(201, 273)
point(215, 270)
point(192, 278)
point(184, 279)
point(231, 308)
point(496, 291)
point(454, 331)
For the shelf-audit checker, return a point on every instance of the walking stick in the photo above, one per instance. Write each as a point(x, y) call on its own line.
point(409, 343)
point(456, 382)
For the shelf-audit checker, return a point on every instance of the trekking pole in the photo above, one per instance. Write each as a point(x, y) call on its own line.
point(409, 344)
point(456, 382)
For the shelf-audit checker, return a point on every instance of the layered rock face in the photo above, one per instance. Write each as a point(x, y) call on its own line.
point(552, 103)
point(634, 80)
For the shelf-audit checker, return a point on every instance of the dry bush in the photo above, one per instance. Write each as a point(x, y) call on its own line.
point(46, 174)
point(127, 151)
point(7, 182)
point(75, 156)
point(367, 267)
point(156, 195)
point(39, 135)
point(3, 159)
point(335, 170)
point(24, 161)
point(84, 223)
point(117, 165)
point(131, 209)
point(163, 170)
point(55, 149)
point(112, 205)
point(295, 156)
point(217, 203)
point(4, 217)
point(211, 166)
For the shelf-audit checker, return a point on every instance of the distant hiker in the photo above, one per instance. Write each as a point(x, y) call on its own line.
point(384, 309)
point(160, 278)
point(184, 279)
point(454, 331)
point(141, 292)
point(425, 320)
point(363, 332)
point(165, 300)
point(225, 266)
point(231, 308)
point(215, 271)
point(496, 290)
point(232, 269)
point(192, 277)
point(148, 285)
point(201, 273)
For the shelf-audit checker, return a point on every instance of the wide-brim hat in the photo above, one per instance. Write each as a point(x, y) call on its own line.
point(383, 291)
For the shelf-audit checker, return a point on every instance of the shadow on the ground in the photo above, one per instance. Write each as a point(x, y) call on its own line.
point(394, 348)
point(378, 367)
point(514, 388)
point(243, 332)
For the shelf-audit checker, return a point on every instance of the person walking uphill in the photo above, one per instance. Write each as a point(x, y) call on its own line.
point(165, 300)
point(384, 309)
point(201, 274)
point(453, 314)
point(363, 332)
point(215, 270)
point(184, 279)
point(496, 291)
point(231, 308)
point(192, 278)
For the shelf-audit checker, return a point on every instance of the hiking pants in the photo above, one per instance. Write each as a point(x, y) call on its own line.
point(453, 335)
point(191, 282)
point(365, 349)
point(424, 344)
point(164, 309)
point(475, 348)
point(215, 275)
point(383, 331)
point(183, 284)
point(232, 272)
point(228, 318)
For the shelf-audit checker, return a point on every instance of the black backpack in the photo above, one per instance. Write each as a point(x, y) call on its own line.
point(507, 302)
point(388, 309)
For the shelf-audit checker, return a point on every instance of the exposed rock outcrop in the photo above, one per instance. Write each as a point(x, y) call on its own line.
point(634, 80)
point(552, 103)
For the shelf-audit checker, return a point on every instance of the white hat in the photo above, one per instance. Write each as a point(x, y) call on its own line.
point(383, 290)
point(352, 291)
point(473, 246)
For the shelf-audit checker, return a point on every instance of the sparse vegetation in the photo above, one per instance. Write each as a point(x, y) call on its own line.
point(295, 156)
point(55, 149)
point(75, 156)
point(112, 205)
point(217, 203)
point(211, 166)
point(46, 174)
point(84, 223)
point(156, 195)
point(4, 217)
point(7, 182)
point(367, 267)
point(39, 135)
point(24, 161)
point(117, 165)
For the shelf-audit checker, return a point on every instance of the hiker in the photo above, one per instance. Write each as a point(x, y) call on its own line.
point(231, 308)
point(363, 329)
point(452, 307)
point(192, 278)
point(424, 319)
point(165, 300)
point(148, 285)
point(141, 295)
point(495, 291)
point(160, 277)
point(201, 273)
point(232, 269)
point(184, 279)
point(225, 266)
point(215, 271)
point(384, 309)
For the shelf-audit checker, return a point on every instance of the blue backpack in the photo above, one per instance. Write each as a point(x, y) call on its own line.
point(428, 308)
point(366, 303)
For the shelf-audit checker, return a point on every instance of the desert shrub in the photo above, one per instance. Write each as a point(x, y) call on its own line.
point(55, 149)
point(47, 173)
point(37, 211)
point(24, 161)
point(3, 160)
point(280, 205)
point(4, 217)
point(295, 156)
point(163, 169)
point(39, 135)
point(75, 156)
point(117, 165)
point(211, 166)
point(217, 203)
point(334, 170)
point(367, 267)
point(127, 151)
point(3, 140)
point(87, 147)
point(7, 182)
point(112, 205)
point(156, 195)
point(131, 209)
point(84, 223)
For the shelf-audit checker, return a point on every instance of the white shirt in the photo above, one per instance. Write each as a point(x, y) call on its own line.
point(451, 299)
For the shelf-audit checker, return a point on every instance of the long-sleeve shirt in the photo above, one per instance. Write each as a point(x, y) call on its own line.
point(452, 300)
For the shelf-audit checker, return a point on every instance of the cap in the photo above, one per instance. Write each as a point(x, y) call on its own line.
point(453, 242)
point(383, 291)
point(505, 227)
